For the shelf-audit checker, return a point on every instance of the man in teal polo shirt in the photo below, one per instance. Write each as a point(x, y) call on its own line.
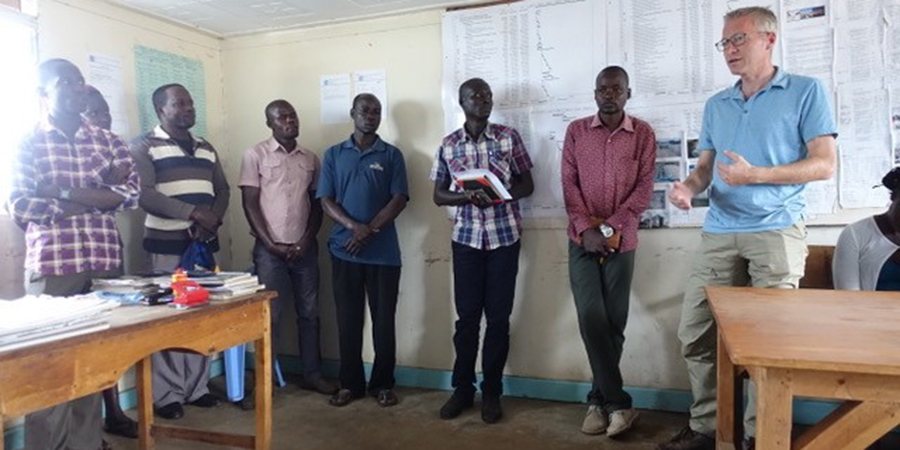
point(762, 140)
point(363, 189)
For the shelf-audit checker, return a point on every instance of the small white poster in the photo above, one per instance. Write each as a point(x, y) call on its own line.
point(105, 74)
point(336, 100)
point(373, 82)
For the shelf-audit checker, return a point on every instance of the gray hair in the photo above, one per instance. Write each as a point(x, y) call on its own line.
point(764, 17)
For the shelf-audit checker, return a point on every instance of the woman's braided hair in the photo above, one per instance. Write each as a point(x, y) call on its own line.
point(892, 181)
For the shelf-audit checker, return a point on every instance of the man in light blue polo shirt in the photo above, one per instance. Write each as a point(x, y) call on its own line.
point(762, 140)
point(363, 189)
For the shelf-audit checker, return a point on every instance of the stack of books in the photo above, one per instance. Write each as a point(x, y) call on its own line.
point(484, 184)
point(36, 319)
point(229, 284)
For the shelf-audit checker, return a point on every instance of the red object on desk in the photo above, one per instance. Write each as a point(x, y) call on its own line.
point(188, 294)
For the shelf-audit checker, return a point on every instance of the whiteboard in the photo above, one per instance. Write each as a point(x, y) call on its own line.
point(541, 56)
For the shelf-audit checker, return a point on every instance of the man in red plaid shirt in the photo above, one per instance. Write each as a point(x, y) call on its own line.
point(70, 179)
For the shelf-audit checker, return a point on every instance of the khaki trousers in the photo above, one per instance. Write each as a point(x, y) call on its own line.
point(769, 259)
point(76, 424)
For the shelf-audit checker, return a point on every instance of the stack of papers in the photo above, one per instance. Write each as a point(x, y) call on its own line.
point(35, 319)
point(123, 284)
point(229, 284)
point(125, 290)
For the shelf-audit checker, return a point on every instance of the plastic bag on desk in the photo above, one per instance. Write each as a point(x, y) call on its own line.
point(198, 256)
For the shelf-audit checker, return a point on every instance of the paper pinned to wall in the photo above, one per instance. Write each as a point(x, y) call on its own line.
point(808, 39)
point(373, 82)
point(335, 102)
point(155, 68)
point(526, 51)
point(864, 153)
point(105, 73)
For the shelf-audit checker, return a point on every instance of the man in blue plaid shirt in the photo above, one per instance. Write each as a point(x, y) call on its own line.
point(485, 245)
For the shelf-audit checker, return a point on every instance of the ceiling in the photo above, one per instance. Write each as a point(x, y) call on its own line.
point(236, 17)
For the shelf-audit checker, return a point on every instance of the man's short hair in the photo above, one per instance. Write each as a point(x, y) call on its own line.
point(275, 104)
point(470, 84)
point(764, 17)
point(159, 95)
point(49, 69)
point(613, 70)
point(364, 96)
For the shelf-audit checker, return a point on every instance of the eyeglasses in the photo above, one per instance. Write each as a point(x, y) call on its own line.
point(737, 40)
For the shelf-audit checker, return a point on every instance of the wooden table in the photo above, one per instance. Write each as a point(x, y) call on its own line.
point(43, 375)
point(807, 342)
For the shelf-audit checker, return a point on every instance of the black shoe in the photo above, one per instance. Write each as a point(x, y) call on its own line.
point(491, 412)
point(247, 403)
point(688, 439)
point(171, 411)
point(205, 401)
point(456, 404)
point(124, 426)
point(319, 385)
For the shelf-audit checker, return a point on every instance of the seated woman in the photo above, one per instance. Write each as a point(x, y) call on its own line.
point(867, 256)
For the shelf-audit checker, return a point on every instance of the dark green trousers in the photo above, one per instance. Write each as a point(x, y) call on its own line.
point(602, 291)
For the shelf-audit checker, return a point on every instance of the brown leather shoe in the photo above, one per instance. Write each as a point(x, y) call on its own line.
point(342, 397)
point(386, 398)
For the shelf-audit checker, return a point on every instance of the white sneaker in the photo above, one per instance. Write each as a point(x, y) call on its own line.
point(620, 421)
point(595, 421)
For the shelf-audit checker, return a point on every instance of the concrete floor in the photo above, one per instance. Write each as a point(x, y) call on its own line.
point(304, 420)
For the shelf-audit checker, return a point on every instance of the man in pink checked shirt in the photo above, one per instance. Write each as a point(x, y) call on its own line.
point(607, 178)
point(70, 179)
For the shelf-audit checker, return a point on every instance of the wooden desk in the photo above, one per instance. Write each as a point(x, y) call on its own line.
point(819, 343)
point(47, 374)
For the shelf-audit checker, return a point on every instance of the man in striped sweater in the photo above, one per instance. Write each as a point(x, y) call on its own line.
point(185, 195)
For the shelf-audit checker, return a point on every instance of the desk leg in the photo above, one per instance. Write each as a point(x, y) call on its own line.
point(263, 375)
point(145, 403)
point(729, 400)
point(773, 409)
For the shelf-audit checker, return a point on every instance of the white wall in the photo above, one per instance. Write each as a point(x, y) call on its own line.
point(545, 339)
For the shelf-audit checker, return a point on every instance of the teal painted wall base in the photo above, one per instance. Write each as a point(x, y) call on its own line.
point(806, 411)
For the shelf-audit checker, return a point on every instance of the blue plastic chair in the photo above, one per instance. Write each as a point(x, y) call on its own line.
point(234, 372)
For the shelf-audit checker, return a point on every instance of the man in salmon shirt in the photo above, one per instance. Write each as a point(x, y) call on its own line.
point(278, 189)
